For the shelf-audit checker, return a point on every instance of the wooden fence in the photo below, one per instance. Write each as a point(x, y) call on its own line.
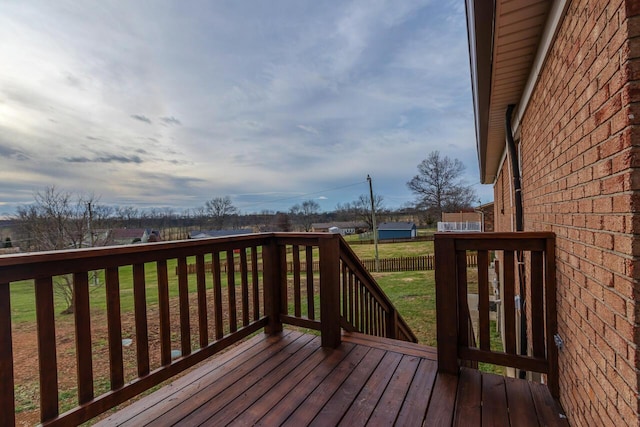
point(386, 265)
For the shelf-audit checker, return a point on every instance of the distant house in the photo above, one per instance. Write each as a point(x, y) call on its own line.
point(344, 227)
point(206, 234)
point(460, 221)
point(397, 230)
point(126, 236)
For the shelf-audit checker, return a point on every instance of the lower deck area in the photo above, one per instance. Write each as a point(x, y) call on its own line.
point(289, 379)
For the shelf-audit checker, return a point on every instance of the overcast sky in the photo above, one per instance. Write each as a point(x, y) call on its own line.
point(158, 103)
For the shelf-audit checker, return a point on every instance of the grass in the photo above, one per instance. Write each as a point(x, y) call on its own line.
point(394, 250)
point(413, 293)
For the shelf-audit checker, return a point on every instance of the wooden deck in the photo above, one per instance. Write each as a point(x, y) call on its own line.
point(288, 379)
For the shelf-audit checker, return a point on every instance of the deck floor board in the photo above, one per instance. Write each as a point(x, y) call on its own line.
point(290, 380)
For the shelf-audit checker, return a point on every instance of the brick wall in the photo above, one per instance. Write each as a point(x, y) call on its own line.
point(580, 148)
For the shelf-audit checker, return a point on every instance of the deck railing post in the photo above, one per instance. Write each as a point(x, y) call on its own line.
point(7, 396)
point(551, 316)
point(446, 304)
point(272, 293)
point(330, 291)
point(392, 323)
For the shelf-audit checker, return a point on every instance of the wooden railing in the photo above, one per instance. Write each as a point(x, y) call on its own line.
point(227, 307)
point(365, 307)
point(529, 257)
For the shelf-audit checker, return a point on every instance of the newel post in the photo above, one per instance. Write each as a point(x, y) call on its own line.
point(272, 278)
point(392, 323)
point(330, 291)
point(446, 304)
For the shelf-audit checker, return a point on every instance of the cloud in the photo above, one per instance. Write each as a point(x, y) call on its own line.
point(170, 121)
point(111, 158)
point(382, 82)
point(309, 129)
point(141, 118)
point(12, 153)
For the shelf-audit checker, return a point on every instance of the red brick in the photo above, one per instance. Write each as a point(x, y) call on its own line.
point(613, 223)
point(581, 179)
point(633, 26)
point(633, 46)
point(611, 185)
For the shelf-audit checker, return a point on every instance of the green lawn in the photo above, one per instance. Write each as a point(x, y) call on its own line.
point(413, 293)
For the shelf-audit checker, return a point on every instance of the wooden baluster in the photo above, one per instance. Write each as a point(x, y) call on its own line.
point(483, 300)
point(358, 305)
point(297, 309)
point(244, 280)
point(509, 303)
point(140, 311)
point(351, 303)
point(344, 289)
point(183, 298)
point(165, 319)
point(47, 349)
point(203, 321)
point(217, 295)
point(7, 396)
point(114, 328)
point(463, 302)
point(369, 313)
point(311, 310)
point(82, 318)
point(231, 291)
point(284, 285)
point(392, 323)
point(376, 316)
point(256, 285)
point(537, 304)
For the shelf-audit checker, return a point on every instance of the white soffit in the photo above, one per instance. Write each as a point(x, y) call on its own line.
point(518, 28)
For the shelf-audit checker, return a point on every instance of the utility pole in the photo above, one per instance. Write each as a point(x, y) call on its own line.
point(373, 223)
point(92, 241)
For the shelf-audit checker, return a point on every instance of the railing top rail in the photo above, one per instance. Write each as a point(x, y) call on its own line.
point(519, 241)
point(16, 267)
point(516, 235)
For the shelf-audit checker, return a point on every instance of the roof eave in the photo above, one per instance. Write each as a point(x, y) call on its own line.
point(480, 24)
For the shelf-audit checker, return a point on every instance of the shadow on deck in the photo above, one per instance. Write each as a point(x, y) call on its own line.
point(289, 379)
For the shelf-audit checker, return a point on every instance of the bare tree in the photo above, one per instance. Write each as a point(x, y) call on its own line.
point(281, 222)
point(363, 207)
point(306, 212)
point(59, 220)
point(348, 211)
point(439, 187)
point(220, 208)
point(128, 215)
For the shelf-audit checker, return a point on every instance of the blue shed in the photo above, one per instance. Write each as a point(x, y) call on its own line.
point(397, 230)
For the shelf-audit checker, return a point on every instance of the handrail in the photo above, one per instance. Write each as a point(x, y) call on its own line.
point(453, 326)
point(228, 308)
